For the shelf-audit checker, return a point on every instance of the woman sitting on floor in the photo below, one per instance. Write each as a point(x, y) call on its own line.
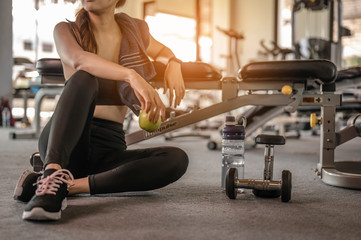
point(105, 57)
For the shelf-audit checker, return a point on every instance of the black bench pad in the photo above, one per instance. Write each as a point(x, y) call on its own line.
point(290, 70)
point(192, 71)
point(50, 71)
point(49, 66)
point(270, 139)
point(295, 70)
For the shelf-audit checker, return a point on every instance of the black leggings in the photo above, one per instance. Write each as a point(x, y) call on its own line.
point(96, 147)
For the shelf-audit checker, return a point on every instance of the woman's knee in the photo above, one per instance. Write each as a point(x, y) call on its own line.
point(84, 82)
point(179, 160)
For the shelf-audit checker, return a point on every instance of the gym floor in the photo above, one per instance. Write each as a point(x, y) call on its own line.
point(195, 207)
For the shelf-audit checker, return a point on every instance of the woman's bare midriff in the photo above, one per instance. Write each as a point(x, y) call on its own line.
point(113, 113)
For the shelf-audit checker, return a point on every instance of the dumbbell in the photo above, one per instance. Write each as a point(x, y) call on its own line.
point(36, 162)
point(265, 187)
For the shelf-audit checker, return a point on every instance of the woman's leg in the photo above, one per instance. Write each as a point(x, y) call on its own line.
point(139, 170)
point(80, 185)
point(74, 109)
point(57, 142)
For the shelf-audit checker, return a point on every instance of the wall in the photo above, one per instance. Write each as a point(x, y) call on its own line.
point(134, 8)
point(220, 17)
point(6, 60)
point(255, 19)
point(184, 8)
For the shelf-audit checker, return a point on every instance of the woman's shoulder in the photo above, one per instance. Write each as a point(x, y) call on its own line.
point(68, 27)
point(64, 25)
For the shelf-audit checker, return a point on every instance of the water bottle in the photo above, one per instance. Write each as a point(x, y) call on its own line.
point(6, 117)
point(232, 148)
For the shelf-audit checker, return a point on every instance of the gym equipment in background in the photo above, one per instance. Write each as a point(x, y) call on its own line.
point(317, 30)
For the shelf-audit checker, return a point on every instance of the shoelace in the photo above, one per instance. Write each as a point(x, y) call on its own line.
point(51, 184)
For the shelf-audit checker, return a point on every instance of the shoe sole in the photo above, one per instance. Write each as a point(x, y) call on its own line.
point(19, 186)
point(40, 214)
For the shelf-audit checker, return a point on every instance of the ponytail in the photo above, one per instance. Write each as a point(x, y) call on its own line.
point(83, 31)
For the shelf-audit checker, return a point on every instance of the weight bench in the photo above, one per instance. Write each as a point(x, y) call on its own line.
point(263, 82)
point(52, 83)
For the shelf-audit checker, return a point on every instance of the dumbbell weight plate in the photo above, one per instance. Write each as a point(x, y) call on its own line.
point(286, 186)
point(231, 176)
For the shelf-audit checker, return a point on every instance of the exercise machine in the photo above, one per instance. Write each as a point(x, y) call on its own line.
point(233, 63)
point(317, 31)
point(275, 51)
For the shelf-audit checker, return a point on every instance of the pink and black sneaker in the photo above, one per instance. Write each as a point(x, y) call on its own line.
point(26, 186)
point(50, 196)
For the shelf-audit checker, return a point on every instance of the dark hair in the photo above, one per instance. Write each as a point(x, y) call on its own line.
point(83, 29)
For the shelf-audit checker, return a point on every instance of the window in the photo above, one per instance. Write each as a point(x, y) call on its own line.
point(351, 44)
point(47, 47)
point(188, 37)
point(28, 45)
point(284, 29)
point(176, 32)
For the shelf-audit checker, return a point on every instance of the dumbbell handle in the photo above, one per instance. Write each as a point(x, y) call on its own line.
point(268, 162)
point(257, 184)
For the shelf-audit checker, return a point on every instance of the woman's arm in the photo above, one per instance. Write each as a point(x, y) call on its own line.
point(173, 79)
point(75, 57)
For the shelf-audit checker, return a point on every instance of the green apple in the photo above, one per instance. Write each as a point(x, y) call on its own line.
point(147, 125)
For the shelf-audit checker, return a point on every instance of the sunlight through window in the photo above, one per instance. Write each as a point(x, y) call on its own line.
point(177, 33)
